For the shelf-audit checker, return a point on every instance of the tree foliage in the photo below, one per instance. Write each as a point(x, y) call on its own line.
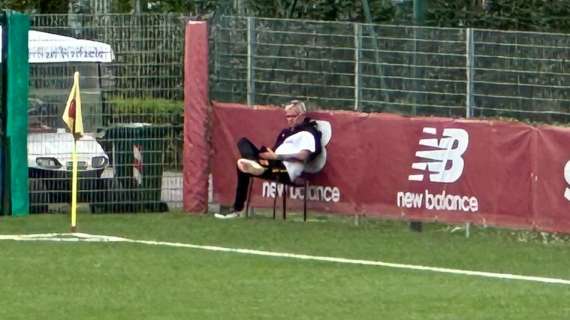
point(36, 6)
point(533, 15)
point(382, 11)
point(524, 15)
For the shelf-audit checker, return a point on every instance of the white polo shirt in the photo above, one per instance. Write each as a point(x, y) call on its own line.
point(295, 143)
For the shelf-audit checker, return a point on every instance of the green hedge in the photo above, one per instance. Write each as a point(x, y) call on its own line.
point(156, 111)
point(153, 111)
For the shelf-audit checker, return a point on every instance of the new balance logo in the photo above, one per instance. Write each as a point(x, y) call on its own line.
point(442, 159)
point(567, 178)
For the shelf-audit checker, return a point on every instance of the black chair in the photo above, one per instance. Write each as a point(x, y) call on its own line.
point(311, 169)
point(302, 182)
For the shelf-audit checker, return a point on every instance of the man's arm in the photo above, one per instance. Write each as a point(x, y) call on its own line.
point(299, 156)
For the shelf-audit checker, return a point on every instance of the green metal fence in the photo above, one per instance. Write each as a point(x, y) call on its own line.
point(404, 69)
point(133, 105)
point(132, 109)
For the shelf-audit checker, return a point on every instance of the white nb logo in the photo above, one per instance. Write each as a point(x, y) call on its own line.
point(444, 163)
point(567, 178)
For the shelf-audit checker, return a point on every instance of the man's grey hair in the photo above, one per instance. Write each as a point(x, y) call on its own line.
point(300, 105)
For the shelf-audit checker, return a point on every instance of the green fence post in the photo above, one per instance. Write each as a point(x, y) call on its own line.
point(251, 61)
point(15, 75)
point(3, 206)
point(419, 20)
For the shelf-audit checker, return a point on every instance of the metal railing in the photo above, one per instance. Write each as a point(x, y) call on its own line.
point(133, 106)
point(382, 68)
point(332, 65)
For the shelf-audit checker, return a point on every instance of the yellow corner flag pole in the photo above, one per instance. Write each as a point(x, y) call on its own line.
point(74, 188)
point(72, 117)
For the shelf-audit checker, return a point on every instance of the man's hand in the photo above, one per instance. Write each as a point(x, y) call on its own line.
point(268, 154)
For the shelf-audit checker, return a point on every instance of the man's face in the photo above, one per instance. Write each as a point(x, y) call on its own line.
point(293, 116)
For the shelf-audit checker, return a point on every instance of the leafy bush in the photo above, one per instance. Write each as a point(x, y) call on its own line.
point(155, 111)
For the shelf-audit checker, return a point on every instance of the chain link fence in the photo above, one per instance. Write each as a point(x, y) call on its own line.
point(382, 68)
point(132, 107)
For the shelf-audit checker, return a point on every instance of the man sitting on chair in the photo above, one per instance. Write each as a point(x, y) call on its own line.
point(295, 145)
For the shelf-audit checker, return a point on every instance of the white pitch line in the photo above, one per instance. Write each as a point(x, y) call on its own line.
point(101, 238)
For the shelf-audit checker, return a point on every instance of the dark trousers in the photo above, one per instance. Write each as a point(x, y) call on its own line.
point(276, 171)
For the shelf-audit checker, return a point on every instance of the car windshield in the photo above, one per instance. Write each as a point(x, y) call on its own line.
point(39, 116)
point(50, 85)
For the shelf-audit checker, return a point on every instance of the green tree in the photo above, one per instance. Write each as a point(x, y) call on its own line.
point(535, 15)
point(20, 5)
point(531, 15)
point(53, 6)
point(36, 6)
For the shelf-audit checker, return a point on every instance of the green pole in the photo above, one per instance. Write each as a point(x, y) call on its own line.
point(366, 10)
point(420, 12)
point(15, 75)
point(419, 20)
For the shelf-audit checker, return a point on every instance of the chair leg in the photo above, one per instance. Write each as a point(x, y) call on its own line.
point(250, 187)
point(305, 196)
point(285, 202)
point(275, 198)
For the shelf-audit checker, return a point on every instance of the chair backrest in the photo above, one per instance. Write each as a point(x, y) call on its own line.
point(318, 163)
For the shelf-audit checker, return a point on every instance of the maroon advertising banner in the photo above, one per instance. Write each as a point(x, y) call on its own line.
point(552, 179)
point(430, 169)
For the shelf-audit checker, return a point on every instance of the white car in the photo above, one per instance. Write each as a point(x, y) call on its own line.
point(50, 154)
point(50, 168)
